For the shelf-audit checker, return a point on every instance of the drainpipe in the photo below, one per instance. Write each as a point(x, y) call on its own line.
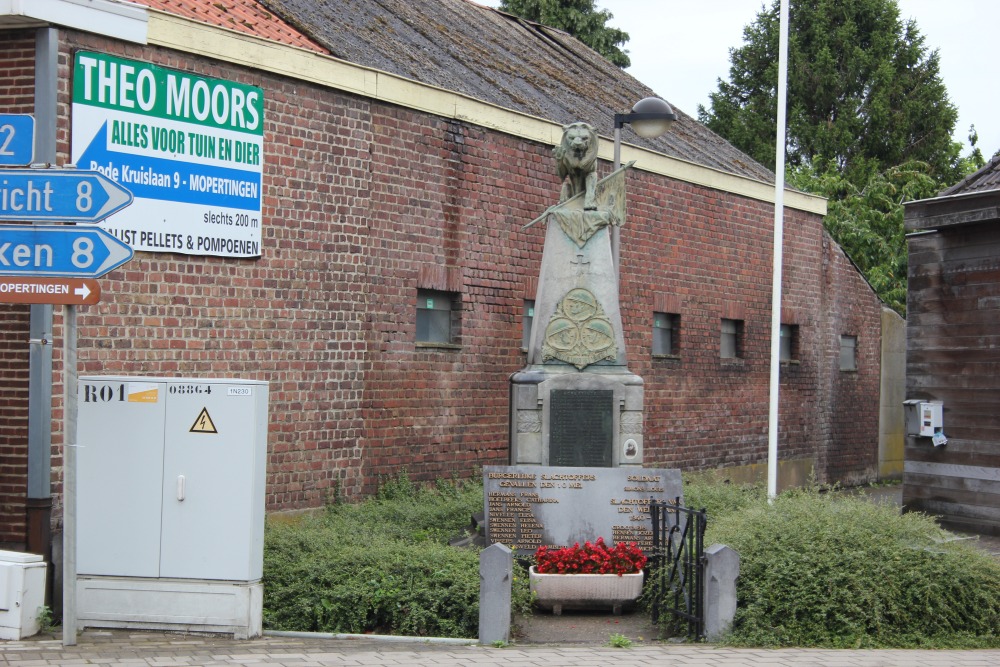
point(39, 499)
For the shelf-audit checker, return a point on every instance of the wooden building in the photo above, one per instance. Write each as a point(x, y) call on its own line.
point(953, 351)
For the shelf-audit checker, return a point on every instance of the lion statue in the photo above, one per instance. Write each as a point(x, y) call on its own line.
point(576, 158)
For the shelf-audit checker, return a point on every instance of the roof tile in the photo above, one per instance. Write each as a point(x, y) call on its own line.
point(505, 60)
point(481, 52)
point(987, 178)
point(247, 16)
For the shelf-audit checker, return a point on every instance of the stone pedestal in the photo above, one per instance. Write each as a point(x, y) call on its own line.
point(562, 417)
point(496, 566)
point(722, 569)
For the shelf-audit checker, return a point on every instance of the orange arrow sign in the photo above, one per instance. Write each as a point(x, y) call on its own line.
point(60, 291)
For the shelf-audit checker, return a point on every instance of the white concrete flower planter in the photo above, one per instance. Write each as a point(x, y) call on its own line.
point(585, 591)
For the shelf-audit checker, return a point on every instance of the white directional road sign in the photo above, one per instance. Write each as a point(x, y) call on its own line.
point(17, 139)
point(59, 195)
point(51, 250)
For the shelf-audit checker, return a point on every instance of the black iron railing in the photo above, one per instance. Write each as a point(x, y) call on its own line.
point(677, 569)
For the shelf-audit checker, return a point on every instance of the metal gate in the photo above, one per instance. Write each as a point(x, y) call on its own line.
point(677, 569)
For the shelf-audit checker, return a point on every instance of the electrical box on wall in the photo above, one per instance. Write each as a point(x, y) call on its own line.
point(924, 418)
point(170, 503)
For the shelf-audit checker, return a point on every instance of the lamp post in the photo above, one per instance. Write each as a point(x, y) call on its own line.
point(649, 118)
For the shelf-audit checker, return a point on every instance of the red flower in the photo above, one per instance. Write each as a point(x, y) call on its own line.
point(596, 558)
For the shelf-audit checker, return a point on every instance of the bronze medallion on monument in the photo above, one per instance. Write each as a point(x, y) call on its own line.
point(579, 332)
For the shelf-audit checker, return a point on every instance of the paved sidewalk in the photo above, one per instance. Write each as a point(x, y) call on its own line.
point(121, 648)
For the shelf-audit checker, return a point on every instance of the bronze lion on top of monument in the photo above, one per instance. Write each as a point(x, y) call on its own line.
point(576, 163)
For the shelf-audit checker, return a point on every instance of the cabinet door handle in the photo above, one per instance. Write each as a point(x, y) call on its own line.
point(180, 487)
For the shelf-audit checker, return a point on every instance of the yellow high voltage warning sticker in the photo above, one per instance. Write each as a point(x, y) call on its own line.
point(203, 424)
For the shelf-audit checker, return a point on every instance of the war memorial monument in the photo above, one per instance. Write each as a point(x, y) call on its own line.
point(576, 411)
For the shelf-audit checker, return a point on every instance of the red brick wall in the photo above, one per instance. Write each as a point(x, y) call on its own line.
point(852, 451)
point(13, 424)
point(707, 255)
point(366, 203)
point(17, 86)
point(17, 76)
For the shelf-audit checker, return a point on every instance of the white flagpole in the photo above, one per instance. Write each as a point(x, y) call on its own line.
point(779, 206)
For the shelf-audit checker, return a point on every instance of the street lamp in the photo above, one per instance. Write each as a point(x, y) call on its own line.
point(650, 117)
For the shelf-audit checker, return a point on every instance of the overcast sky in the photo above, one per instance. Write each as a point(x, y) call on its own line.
point(679, 48)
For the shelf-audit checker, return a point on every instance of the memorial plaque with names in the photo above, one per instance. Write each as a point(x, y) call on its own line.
point(581, 427)
point(530, 506)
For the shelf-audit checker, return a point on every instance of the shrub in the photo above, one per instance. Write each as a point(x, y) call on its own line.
point(720, 497)
point(380, 566)
point(833, 571)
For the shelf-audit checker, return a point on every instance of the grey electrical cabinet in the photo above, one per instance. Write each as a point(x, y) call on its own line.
point(170, 503)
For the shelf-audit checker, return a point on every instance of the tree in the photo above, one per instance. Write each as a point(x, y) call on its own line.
point(974, 161)
point(867, 220)
point(869, 122)
point(864, 94)
point(579, 18)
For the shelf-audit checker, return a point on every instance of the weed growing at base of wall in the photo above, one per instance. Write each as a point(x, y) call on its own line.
point(617, 640)
point(382, 565)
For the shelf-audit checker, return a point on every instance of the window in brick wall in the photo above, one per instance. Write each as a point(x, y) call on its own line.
point(527, 316)
point(788, 351)
point(848, 353)
point(731, 340)
point(435, 317)
point(666, 334)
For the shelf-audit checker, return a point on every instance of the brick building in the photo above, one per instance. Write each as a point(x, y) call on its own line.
point(404, 147)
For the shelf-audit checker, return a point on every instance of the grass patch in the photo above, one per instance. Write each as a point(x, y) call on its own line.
point(380, 566)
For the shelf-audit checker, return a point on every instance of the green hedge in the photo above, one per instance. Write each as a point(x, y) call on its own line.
point(817, 569)
point(380, 566)
point(831, 570)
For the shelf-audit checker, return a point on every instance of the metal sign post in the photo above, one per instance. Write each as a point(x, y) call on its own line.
point(69, 476)
point(778, 258)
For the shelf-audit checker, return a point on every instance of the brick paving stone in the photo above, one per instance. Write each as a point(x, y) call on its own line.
point(129, 649)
